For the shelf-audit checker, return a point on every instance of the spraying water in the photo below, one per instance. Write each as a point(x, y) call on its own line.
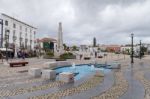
point(92, 67)
point(73, 65)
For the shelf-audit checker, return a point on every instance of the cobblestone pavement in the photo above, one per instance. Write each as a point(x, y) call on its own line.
point(4, 93)
point(119, 88)
point(94, 81)
point(24, 81)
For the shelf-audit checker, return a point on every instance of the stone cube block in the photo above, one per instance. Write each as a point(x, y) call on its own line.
point(63, 63)
point(35, 72)
point(66, 77)
point(99, 73)
point(52, 64)
point(49, 74)
point(116, 65)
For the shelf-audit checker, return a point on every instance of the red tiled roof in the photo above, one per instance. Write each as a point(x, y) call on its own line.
point(46, 40)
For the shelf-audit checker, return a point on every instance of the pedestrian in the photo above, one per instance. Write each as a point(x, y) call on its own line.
point(12, 55)
point(80, 57)
point(23, 55)
point(1, 56)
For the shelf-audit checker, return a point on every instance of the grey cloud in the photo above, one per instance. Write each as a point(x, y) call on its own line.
point(110, 21)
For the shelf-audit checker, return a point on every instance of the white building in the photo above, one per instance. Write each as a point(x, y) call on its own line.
point(89, 51)
point(17, 33)
point(127, 49)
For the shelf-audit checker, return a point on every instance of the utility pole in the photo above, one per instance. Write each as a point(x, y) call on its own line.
point(132, 51)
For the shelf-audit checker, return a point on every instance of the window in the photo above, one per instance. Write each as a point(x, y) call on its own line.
point(14, 35)
point(14, 32)
point(14, 25)
point(20, 27)
point(30, 31)
point(26, 35)
point(26, 29)
point(6, 23)
point(20, 34)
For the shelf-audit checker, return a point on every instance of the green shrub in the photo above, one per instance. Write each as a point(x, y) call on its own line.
point(67, 56)
point(51, 54)
point(48, 55)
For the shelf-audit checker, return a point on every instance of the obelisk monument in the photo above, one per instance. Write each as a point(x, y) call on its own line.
point(60, 38)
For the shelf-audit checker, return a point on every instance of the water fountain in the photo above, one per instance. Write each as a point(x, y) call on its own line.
point(73, 65)
point(92, 67)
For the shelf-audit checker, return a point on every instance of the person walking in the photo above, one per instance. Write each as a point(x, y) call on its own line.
point(23, 55)
point(1, 56)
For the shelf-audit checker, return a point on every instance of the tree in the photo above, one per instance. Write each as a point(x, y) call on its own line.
point(65, 46)
point(143, 50)
point(94, 42)
point(99, 49)
point(74, 48)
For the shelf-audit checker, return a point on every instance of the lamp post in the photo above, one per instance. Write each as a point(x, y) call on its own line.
point(1, 22)
point(132, 61)
point(140, 50)
point(7, 42)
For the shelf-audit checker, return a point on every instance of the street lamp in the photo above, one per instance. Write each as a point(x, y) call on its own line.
point(140, 50)
point(7, 42)
point(1, 22)
point(132, 61)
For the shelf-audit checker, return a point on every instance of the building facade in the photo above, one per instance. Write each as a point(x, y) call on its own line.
point(46, 44)
point(113, 48)
point(16, 34)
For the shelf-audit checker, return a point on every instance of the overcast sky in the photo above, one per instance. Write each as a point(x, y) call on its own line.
point(110, 21)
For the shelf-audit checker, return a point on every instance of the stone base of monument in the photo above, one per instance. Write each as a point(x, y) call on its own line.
point(49, 74)
point(34, 72)
point(99, 73)
point(66, 77)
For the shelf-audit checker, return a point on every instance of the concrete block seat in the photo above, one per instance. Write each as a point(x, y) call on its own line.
point(63, 63)
point(34, 72)
point(99, 73)
point(114, 66)
point(58, 64)
point(66, 77)
point(52, 64)
point(49, 74)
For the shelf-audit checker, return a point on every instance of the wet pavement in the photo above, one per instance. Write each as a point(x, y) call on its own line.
point(147, 75)
point(136, 89)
